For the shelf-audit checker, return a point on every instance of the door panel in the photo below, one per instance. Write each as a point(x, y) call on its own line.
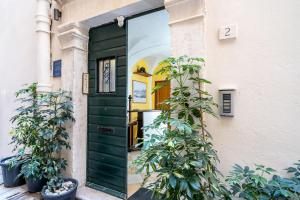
point(162, 94)
point(107, 143)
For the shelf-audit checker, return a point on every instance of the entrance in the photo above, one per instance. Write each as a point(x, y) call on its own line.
point(122, 68)
point(107, 124)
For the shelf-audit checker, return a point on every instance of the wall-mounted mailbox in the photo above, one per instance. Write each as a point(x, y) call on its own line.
point(226, 102)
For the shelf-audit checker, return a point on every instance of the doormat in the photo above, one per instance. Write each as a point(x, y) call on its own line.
point(142, 194)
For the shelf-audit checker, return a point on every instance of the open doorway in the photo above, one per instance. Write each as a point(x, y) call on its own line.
point(148, 44)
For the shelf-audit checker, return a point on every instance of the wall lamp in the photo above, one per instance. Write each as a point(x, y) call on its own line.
point(57, 14)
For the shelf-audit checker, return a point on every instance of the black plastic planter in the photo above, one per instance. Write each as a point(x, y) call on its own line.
point(10, 174)
point(69, 195)
point(35, 185)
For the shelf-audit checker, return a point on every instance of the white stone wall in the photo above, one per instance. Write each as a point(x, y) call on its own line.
point(262, 63)
point(18, 61)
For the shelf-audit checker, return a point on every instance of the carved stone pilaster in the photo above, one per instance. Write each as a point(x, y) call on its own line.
point(74, 41)
point(43, 44)
point(187, 26)
point(73, 35)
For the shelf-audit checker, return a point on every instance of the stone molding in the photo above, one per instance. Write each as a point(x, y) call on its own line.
point(184, 10)
point(43, 22)
point(73, 35)
point(185, 19)
point(187, 24)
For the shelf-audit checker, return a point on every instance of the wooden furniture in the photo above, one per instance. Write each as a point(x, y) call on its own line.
point(131, 145)
point(145, 74)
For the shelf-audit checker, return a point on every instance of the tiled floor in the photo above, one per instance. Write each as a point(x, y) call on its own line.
point(134, 180)
point(17, 193)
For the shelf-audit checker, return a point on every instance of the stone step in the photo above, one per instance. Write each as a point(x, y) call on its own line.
point(86, 193)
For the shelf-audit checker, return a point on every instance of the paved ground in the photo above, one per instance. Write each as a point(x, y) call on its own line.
point(17, 193)
point(20, 193)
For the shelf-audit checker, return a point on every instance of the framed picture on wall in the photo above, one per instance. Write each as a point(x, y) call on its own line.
point(139, 92)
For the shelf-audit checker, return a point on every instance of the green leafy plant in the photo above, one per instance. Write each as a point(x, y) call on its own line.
point(183, 159)
point(257, 185)
point(57, 110)
point(40, 135)
point(25, 135)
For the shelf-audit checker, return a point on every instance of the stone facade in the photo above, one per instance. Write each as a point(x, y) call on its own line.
point(261, 64)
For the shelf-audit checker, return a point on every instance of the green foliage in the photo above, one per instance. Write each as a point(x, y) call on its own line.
point(256, 185)
point(26, 130)
point(182, 158)
point(40, 135)
point(57, 110)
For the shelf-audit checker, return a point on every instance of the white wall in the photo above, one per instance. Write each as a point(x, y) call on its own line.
point(17, 63)
point(263, 64)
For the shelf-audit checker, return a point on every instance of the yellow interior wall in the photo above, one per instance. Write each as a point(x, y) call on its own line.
point(142, 106)
point(136, 77)
point(156, 77)
point(147, 80)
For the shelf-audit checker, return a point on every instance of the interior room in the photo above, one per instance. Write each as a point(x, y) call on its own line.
point(148, 45)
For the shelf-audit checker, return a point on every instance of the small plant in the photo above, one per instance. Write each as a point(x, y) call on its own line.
point(183, 159)
point(56, 109)
point(256, 185)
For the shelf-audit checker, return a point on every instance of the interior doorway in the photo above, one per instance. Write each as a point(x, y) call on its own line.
point(162, 94)
point(148, 45)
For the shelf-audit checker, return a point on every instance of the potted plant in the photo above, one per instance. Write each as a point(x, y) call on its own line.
point(182, 159)
point(56, 107)
point(35, 177)
point(11, 168)
point(24, 134)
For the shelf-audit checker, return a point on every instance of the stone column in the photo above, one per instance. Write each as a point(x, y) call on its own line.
point(187, 26)
point(43, 44)
point(74, 41)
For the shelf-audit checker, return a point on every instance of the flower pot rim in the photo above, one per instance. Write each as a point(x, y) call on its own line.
point(63, 194)
point(2, 161)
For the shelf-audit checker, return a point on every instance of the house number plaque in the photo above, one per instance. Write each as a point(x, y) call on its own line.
point(228, 32)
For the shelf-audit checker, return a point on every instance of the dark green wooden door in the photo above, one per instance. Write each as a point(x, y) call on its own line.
point(107, 150)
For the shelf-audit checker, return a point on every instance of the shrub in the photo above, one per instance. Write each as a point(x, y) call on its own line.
point(57, 110)
point(183, 158)
point(25, 135)
point(40, 135)
point(255, 185)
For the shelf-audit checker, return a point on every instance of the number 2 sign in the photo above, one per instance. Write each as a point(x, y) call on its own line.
point(228, 32)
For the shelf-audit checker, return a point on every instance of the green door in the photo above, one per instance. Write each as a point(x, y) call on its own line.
point(107, 127)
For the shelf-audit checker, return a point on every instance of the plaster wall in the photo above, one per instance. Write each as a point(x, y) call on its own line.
point(18, 59)
point(79, 10)
point(262, 64)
